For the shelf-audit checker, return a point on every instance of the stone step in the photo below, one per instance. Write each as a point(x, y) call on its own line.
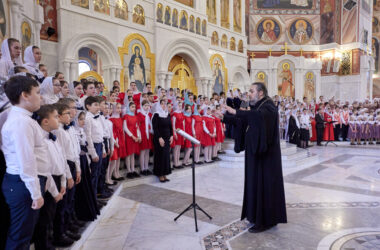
point(288, 149)
point(310, 160)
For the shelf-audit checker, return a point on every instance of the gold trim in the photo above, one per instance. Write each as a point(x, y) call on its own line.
point(93, 74)
point(212, 58)
point(262, 20)
point(124, 51)
point(295, 21)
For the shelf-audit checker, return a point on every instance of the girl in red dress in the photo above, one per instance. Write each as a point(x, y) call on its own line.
point(132, 139)
point(188, 129)
point(118, 134)
point(198, 133)
point(209, 129)
point(145, 125)
point(328, 133)
point(178, 120)
point(219, 139)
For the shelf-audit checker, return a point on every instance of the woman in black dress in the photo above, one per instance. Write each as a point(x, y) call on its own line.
point(162, 138)
point(294, 129)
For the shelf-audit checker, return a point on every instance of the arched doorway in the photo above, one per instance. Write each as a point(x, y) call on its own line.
point(183, 76)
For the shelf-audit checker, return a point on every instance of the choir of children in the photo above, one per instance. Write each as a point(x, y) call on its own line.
point(358, 122)
point(64, 144)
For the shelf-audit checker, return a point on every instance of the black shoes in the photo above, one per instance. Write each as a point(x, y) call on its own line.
point(136, 175)
point(177, 167)
point(63, 241)
point(105, 195)
point(117, 179)
point(221, 152)
point(216, 159)
point(259, 229)
point(199, 162)
point(146, 172)
point(72, 235)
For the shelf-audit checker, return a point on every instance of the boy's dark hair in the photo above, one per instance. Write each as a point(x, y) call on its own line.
point(131, 103)
point(100, 99)
point(44, 112)
point(149, 93)
point(89, 101)
point(41, 65)
point(16, 85)
point(86, 83)
point(63, 83)
point(57, 74)
point(144, 102)
point(76, 83)
point(60, 107)
point(115, 87)
point(18, 69)
point(67, 101)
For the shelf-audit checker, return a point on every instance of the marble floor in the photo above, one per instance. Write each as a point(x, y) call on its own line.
point(332, 204)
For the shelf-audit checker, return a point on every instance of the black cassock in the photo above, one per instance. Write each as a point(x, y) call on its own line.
point(264, 196)
point(162, 127)
point(293, 131)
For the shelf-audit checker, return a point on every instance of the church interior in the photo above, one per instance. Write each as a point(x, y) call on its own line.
point(305, 52)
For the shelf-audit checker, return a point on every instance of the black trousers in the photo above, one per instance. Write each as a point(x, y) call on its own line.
point(344, 132)
point(70, 205)
point(4, 209)
point(103, 170)
point(59, 215)
point(319, 135)
point(45, 221)
point(337, 131)
point(22, 217)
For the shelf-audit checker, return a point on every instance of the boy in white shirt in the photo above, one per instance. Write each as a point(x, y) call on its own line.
point(47, 117)
point(63, 226)
point(103, 191)
point(21, 137)
point(94, 134)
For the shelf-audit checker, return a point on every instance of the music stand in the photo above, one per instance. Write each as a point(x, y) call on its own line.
point(328, 134)
point(193, 205)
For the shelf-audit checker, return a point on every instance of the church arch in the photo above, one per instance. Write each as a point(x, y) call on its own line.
point(105, 49)
point(240, 77)
point(191, 51)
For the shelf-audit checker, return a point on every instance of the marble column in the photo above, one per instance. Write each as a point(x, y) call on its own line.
point(318, 89)
point(15, 16)
point(209, 87)
point(169, 77)
point(73, 72)
point(117, 75)
point(161, 77)
point(217, 10)
point(198, 83)
point(371, 72)
point(298, 84)
point(272, 82)
point(204, 82)
point(66, 67)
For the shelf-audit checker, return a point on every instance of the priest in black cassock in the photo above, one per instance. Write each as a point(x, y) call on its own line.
point(264, 196)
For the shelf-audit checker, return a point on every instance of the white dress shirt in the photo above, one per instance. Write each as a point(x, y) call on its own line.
point(22, 138)
point(74, 142)
point(64, 139)
point(94, 133)
point(57, 159)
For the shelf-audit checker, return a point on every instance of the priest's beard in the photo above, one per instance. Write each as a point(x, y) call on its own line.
point(254, 99)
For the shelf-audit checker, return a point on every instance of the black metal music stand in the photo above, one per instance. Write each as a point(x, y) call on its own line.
point(193, 205)
point(328, 131)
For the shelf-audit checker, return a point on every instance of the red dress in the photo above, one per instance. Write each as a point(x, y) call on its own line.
point(132, 124)
point(188, 129)
point(146, 143)
point(136, 99)
point(198, 128)
point(313, 130)
point(118, 134)
point(219, 130)
point(120, 98)
point(210, 125)
point(329, 126)
point(179, 120)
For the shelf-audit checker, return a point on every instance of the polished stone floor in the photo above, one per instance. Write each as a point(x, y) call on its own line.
point(333, 203)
